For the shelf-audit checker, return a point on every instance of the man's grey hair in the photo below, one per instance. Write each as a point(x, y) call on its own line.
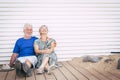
point(27, 25)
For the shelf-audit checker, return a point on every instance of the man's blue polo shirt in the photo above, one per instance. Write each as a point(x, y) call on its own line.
point(24, 47)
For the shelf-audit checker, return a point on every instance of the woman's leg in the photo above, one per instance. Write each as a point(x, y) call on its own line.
point(44, 62)
point(43, 65)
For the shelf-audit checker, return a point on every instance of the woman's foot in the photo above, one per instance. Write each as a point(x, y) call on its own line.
point(50, 68)
point(40, 70)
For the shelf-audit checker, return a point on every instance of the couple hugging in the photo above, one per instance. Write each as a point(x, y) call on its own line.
point(31, 52)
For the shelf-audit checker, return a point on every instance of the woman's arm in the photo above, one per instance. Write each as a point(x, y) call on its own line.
point(38, 51)
point(47, 51)
point(36, 48)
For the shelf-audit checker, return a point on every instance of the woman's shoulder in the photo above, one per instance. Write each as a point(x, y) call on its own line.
point(51, 40)
point(37, 40)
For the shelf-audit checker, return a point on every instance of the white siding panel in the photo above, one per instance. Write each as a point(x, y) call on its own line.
point(80, 27)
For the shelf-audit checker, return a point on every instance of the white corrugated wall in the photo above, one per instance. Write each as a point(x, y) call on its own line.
point(80, 27)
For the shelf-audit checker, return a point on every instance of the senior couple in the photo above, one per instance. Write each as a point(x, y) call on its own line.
point(31, 52)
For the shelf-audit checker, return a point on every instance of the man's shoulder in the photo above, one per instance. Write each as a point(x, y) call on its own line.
point(19, 39)
point(34, 37)
point(37, 40)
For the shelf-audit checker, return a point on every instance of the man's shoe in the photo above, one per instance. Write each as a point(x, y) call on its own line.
point(29, 73)
point(18, 65)
point(20, 73)
point(27, 69)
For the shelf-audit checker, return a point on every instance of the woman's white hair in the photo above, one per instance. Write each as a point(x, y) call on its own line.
point(43, 26)
point(27, 25)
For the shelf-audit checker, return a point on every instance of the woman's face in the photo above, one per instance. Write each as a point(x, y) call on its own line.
point(43, 30)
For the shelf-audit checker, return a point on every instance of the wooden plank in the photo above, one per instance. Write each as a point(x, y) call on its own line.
point(111, 67)
point(73, 70)
point(59, 75)
point(107, 74)
point(108, 68)
point(3, 75)
point(99, 67)
point(98, 75)
point(84, 71)
point(76, 73)
point(39, 76)
point(31, 77)
point(115, 73)
point(88, 66)
point(67, 73)
point(20, 78)
point(11, 75)
point(50, 76)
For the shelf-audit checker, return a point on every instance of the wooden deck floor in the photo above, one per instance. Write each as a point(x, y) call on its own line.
point(73, 70)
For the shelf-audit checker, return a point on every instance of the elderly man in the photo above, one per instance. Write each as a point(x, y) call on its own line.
point(23, 53)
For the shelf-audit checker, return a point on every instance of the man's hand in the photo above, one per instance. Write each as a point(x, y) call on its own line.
point(13, 58)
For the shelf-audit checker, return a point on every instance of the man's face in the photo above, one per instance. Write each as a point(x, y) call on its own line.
point(28, 31)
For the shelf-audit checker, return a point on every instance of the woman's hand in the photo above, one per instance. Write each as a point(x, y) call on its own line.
point(47, 51)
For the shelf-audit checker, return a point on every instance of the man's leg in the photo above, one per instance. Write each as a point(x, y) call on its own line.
point(27, 63)
point(18, 67)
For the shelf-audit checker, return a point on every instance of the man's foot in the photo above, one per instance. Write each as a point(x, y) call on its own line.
point(29, 73)
point(20, 73)
point(18, 65)
point(27, 69)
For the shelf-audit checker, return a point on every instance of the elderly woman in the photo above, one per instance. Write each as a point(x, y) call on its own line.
point(44, 49)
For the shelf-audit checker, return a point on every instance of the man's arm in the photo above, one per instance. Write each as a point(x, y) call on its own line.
point(13, 58)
